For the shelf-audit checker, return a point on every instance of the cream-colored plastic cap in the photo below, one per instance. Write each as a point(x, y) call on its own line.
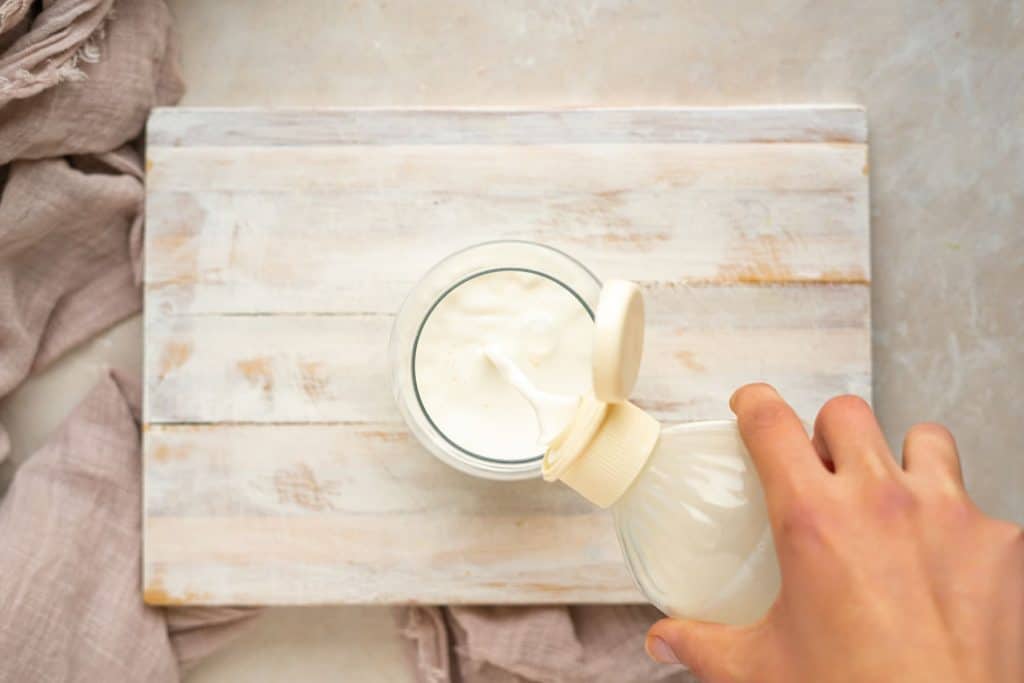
point(618, 340)
point(602, 450)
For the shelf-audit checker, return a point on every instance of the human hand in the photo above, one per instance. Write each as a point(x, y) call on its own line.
point(888, 574)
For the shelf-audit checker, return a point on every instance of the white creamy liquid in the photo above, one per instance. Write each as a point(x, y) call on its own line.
point(490, 342)
point(694, 528)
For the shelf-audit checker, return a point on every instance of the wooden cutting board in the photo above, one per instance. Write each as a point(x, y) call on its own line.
point(279, 244)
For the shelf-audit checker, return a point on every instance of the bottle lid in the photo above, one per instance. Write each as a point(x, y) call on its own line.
point(602, 450)
point(618, 340)
point(608, 440)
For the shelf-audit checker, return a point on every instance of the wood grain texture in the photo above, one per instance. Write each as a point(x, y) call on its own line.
point(296, 128)
point(356, 513)
point(279, 245)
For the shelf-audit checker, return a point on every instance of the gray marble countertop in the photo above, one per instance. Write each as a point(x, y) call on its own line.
point(943, 84)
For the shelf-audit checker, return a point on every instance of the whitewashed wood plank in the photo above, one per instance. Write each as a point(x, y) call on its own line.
point(340, 470)
point(326, 368)
point(301, 127)
point(327, 559)
point(509, 171)
point(316, 502)
point(212, 252)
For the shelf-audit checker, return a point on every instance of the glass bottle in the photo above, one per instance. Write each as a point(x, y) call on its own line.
point(687, 503)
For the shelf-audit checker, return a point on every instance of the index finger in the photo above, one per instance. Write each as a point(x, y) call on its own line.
point(783, 454)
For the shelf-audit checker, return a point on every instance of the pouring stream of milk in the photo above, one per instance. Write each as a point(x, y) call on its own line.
point(553, 411)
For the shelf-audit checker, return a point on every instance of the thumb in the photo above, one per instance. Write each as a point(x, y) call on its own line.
point(713, 652)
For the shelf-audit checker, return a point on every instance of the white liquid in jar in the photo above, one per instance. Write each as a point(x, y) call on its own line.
point(488, 333)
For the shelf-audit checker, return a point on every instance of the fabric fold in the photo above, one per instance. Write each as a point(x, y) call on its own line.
point(544, 644)
point(70, 170)
point(70, 601)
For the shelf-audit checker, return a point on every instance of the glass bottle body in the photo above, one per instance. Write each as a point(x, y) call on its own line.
point(694, 529)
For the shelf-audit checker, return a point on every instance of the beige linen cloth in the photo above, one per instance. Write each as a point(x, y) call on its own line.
point(76, 83)
point(77, 79)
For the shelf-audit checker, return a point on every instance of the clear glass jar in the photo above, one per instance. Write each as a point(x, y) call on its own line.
point(428, 293)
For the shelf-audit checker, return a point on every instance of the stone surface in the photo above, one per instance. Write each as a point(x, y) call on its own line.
point(944, 89)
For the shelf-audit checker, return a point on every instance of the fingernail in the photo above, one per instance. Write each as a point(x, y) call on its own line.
point(659, 651)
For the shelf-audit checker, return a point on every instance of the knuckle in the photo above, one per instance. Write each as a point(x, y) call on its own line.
point(758, 387)
point(894, 500)
point(956, 511)
point(945, 505)
point(803, 523)
point(1012, 535)
point(940, 496)
point(840, 406)
point(751, 393)
point(929, 431)
point(1015, 538)
point(766, 415)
